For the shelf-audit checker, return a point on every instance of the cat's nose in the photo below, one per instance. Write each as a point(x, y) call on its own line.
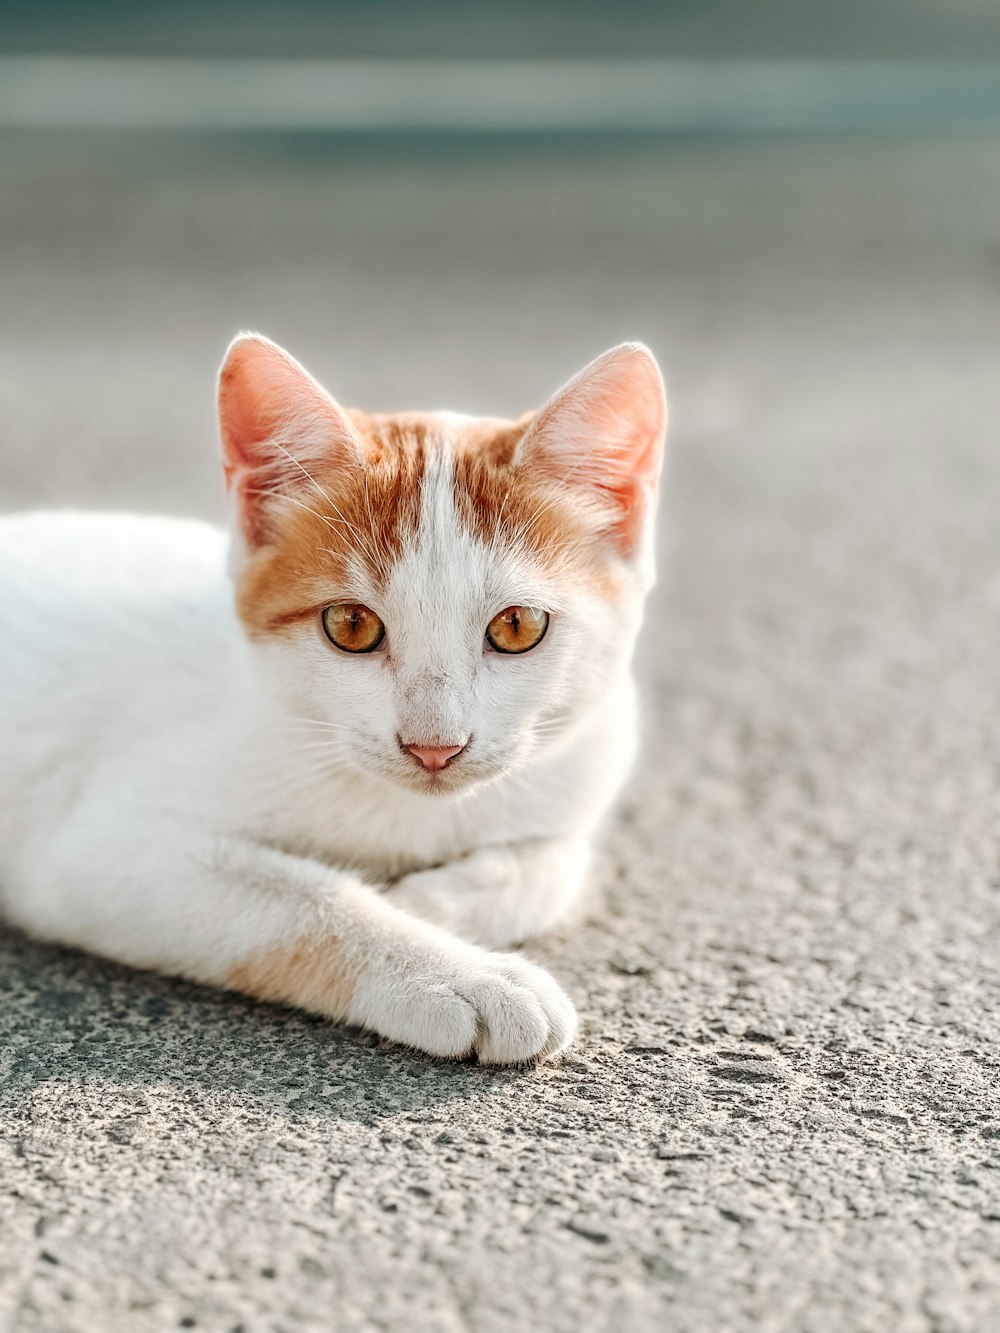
point(435, 757)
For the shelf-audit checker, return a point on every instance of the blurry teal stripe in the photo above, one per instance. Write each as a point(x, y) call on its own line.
point(738, 97)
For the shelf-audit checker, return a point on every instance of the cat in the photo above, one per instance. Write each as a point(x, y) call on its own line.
point(346, 786)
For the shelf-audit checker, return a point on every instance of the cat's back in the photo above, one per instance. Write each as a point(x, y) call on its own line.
point(106, 556)
point(115, 631)
point(90, 604)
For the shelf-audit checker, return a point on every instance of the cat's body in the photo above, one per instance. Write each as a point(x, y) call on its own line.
point(127, 657)
point(220, 791)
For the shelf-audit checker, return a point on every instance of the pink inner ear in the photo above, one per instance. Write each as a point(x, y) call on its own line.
point(264, 396)
point(604, 432)
point(275, 421)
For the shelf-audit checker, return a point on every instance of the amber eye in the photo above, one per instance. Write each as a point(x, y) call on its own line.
point(517, 629)
point(353, 627)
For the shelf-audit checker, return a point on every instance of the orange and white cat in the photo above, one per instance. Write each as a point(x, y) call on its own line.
point(386, 756)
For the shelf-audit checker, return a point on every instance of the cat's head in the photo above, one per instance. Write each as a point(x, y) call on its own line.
point(443, 596)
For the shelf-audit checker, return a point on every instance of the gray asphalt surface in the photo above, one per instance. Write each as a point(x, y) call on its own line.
point(783, 1110)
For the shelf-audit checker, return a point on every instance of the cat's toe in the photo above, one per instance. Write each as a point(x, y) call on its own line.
point(444, 1023)
point(556, 1004)
point(512, 1027)
point(523, 1014)
point(455, 1000)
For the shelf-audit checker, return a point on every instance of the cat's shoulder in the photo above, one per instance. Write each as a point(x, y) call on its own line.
point(110, 547)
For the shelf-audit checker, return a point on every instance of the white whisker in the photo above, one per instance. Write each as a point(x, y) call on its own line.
point(366, 545)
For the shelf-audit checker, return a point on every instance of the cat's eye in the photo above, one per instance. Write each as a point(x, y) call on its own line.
point(353, 627)
point(517, 629)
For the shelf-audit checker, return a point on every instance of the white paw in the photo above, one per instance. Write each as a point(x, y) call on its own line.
point(499, 1007)
point(521, 1012)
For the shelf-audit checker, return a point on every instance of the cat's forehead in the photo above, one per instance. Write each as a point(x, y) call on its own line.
point(435, 480)
point(439, 504)
point(450, 561)
point(451, 485)
point(413, 439)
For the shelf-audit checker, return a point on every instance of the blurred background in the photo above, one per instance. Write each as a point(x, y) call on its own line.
point(781, 1111)
point(452, 204)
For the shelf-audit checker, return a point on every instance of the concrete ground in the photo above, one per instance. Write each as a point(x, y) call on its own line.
point(783, 1109)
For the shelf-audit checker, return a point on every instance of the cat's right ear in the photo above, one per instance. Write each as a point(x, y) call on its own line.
point(276, 423)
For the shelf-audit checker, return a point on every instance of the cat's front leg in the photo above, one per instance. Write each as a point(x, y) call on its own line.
point(230, 912)
point(498, 896)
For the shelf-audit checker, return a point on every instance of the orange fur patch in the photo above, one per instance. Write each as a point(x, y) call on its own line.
point(346, 511)
point(500, 501)
point(311, 973)
point(368, 511)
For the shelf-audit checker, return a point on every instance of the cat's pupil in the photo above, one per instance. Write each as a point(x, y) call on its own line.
point(504, 632)
point(355, 628)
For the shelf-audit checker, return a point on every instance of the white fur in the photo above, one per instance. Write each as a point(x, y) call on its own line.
point(178, 797)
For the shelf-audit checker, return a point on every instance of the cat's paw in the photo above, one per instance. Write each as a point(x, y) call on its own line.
point(499, 1007)
point(522, 1013)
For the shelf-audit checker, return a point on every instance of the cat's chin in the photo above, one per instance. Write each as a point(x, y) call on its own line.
point(453, 781)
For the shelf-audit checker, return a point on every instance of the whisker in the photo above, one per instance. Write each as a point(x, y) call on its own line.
point(497, 525)
point(289, 780)
point(546, 733)
point(303, 469)
point(331, 523)
point(328, 498)
point(382, 565)
point(296, 720)
point(290, 499)
point(579, 464)
point(323, 740)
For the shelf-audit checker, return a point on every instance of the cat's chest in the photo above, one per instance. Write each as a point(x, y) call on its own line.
point(388, 843)
point(391, 838)
point(384, 836)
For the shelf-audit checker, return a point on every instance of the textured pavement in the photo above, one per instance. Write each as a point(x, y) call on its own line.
point(783, 1110)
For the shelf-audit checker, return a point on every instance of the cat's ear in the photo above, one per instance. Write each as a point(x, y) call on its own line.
point(603, 434)
point(276, 423)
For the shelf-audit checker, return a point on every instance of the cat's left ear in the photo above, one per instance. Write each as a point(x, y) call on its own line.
point(603, 434)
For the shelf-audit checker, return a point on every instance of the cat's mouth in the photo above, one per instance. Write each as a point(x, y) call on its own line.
point(440, 768)
point(434, 756)
point(435, 764)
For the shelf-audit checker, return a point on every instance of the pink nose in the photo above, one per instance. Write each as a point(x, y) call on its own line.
point(434, 757)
